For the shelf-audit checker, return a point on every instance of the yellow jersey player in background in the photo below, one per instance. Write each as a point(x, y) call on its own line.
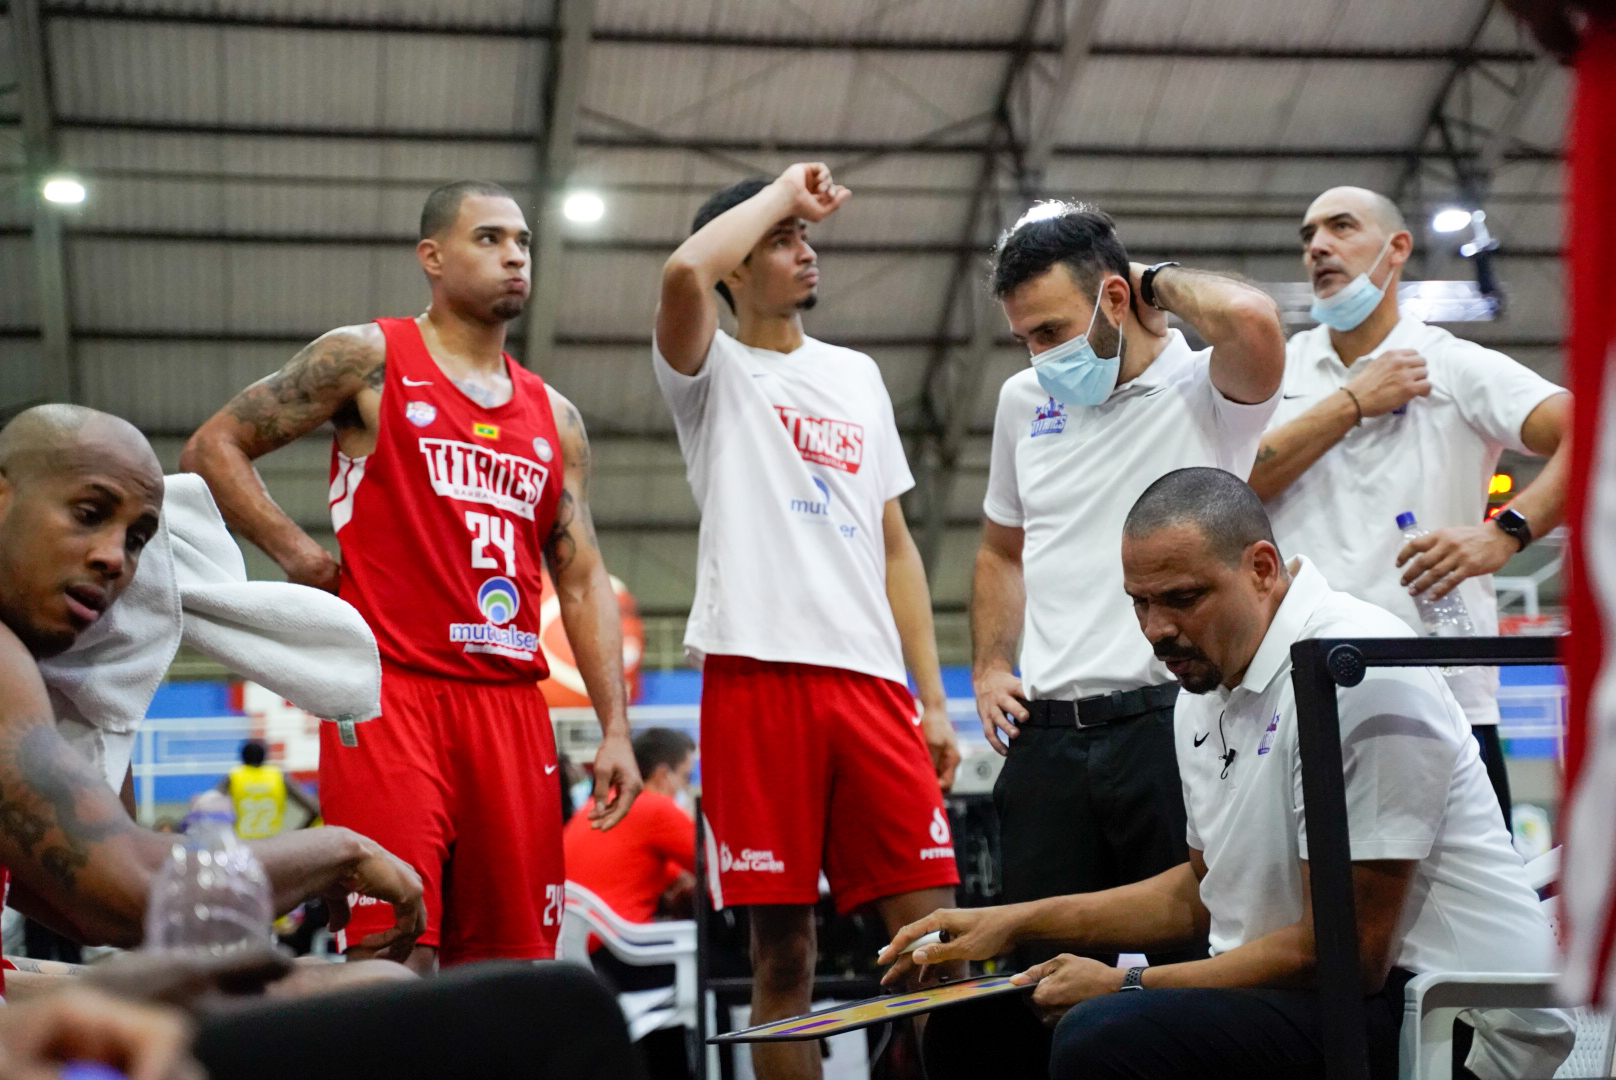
point(259, 793)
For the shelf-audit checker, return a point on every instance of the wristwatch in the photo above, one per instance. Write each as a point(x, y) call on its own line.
point(1131, 981)
point(1147, 283)
point(1514, 526)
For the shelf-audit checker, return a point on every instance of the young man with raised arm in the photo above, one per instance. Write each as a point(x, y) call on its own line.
point(810, 598)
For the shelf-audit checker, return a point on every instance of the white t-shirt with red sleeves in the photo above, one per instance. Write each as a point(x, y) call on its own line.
point(792, 458)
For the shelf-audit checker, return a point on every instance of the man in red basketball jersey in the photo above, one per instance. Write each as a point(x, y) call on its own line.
point(454, 471)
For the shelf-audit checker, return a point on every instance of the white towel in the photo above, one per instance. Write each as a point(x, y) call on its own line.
point(305, 644)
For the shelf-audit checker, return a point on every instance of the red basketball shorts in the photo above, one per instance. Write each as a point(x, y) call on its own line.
point(459, 780)
point(807, 768)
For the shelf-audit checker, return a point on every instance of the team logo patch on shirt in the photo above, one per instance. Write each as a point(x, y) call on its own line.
point(420, 413)
point(499, 600)
point(541, 447)
point(485, 431)
point(837, 443)
point(1050, 419)
point(1268, 737)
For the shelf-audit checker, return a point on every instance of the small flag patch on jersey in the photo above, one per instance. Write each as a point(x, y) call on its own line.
point(485, 431)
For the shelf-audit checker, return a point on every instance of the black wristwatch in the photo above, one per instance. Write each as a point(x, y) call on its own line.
point(1514, 526)
point(1131, 981)
point(1147, 283)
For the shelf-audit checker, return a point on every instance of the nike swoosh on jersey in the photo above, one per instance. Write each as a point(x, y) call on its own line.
point(1199, 739)
point(1292, 397)
point(548, 769)
point(416, 382)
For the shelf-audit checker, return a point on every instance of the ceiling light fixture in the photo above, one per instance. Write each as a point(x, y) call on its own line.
point(1450, 219)
point(63, 189)
point(583, 206)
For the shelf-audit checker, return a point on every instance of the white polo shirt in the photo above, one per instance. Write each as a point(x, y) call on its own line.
point(1416, 790)
point(1069, 476)
point(792, 458)
point(1434, 459)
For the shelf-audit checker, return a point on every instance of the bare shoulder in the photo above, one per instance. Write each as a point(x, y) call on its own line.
point(22, 688)
point(569, 422)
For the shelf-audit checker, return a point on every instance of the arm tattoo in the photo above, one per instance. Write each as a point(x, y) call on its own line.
point(1266, 453)
point(309, 389)
point(572, 520)
point(41, 802)
point(482, 395)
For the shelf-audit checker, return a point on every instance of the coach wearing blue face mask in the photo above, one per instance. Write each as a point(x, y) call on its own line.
point(1383, 415)
point(1089, 797)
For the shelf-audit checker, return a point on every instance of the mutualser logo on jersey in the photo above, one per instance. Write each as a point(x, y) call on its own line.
point(499, 600)
point(481, 474)
point(837, 443)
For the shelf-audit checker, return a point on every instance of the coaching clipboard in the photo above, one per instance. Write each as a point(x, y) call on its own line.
point(876, 1010)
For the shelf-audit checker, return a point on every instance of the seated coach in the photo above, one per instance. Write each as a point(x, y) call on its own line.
point(1437, 885)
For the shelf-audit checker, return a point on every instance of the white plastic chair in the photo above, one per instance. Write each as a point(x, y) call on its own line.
point(643, 945)
point(1432, 1003)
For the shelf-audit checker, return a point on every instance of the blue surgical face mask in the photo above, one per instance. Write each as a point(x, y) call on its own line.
point(1071, 373)
point(1353, 302)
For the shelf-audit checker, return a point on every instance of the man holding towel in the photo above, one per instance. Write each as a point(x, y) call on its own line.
point(80, 494)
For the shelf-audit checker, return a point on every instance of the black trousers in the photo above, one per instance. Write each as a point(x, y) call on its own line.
point(1087, 809)
point(549, 1020)
point(1492, 756)
point(1079, 810)
point(1245, 1034)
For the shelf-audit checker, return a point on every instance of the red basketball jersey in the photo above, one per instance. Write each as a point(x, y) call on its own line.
point(441, 526)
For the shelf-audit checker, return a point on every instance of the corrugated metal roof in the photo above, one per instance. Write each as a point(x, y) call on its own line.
point(823, 17)
point(1361, 23)
point(18, 305)
point(447, 13)
point(353, 81)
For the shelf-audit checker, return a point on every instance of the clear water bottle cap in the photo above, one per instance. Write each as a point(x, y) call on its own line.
point(1405, 519)
point(207, 817)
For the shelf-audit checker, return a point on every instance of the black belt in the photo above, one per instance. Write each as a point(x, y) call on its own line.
point(1112, 708)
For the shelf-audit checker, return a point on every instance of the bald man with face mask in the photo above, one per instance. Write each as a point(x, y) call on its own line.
point(1381, 415)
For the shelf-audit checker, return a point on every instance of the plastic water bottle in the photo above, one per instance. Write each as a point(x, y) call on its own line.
point(212, 894)
point(1447, 617)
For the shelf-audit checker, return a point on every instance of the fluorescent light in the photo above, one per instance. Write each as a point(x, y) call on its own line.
point(583, 206)
point(63, 189)
point(1450, 219)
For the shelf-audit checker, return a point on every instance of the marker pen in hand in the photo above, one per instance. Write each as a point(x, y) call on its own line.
point(936, 937)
